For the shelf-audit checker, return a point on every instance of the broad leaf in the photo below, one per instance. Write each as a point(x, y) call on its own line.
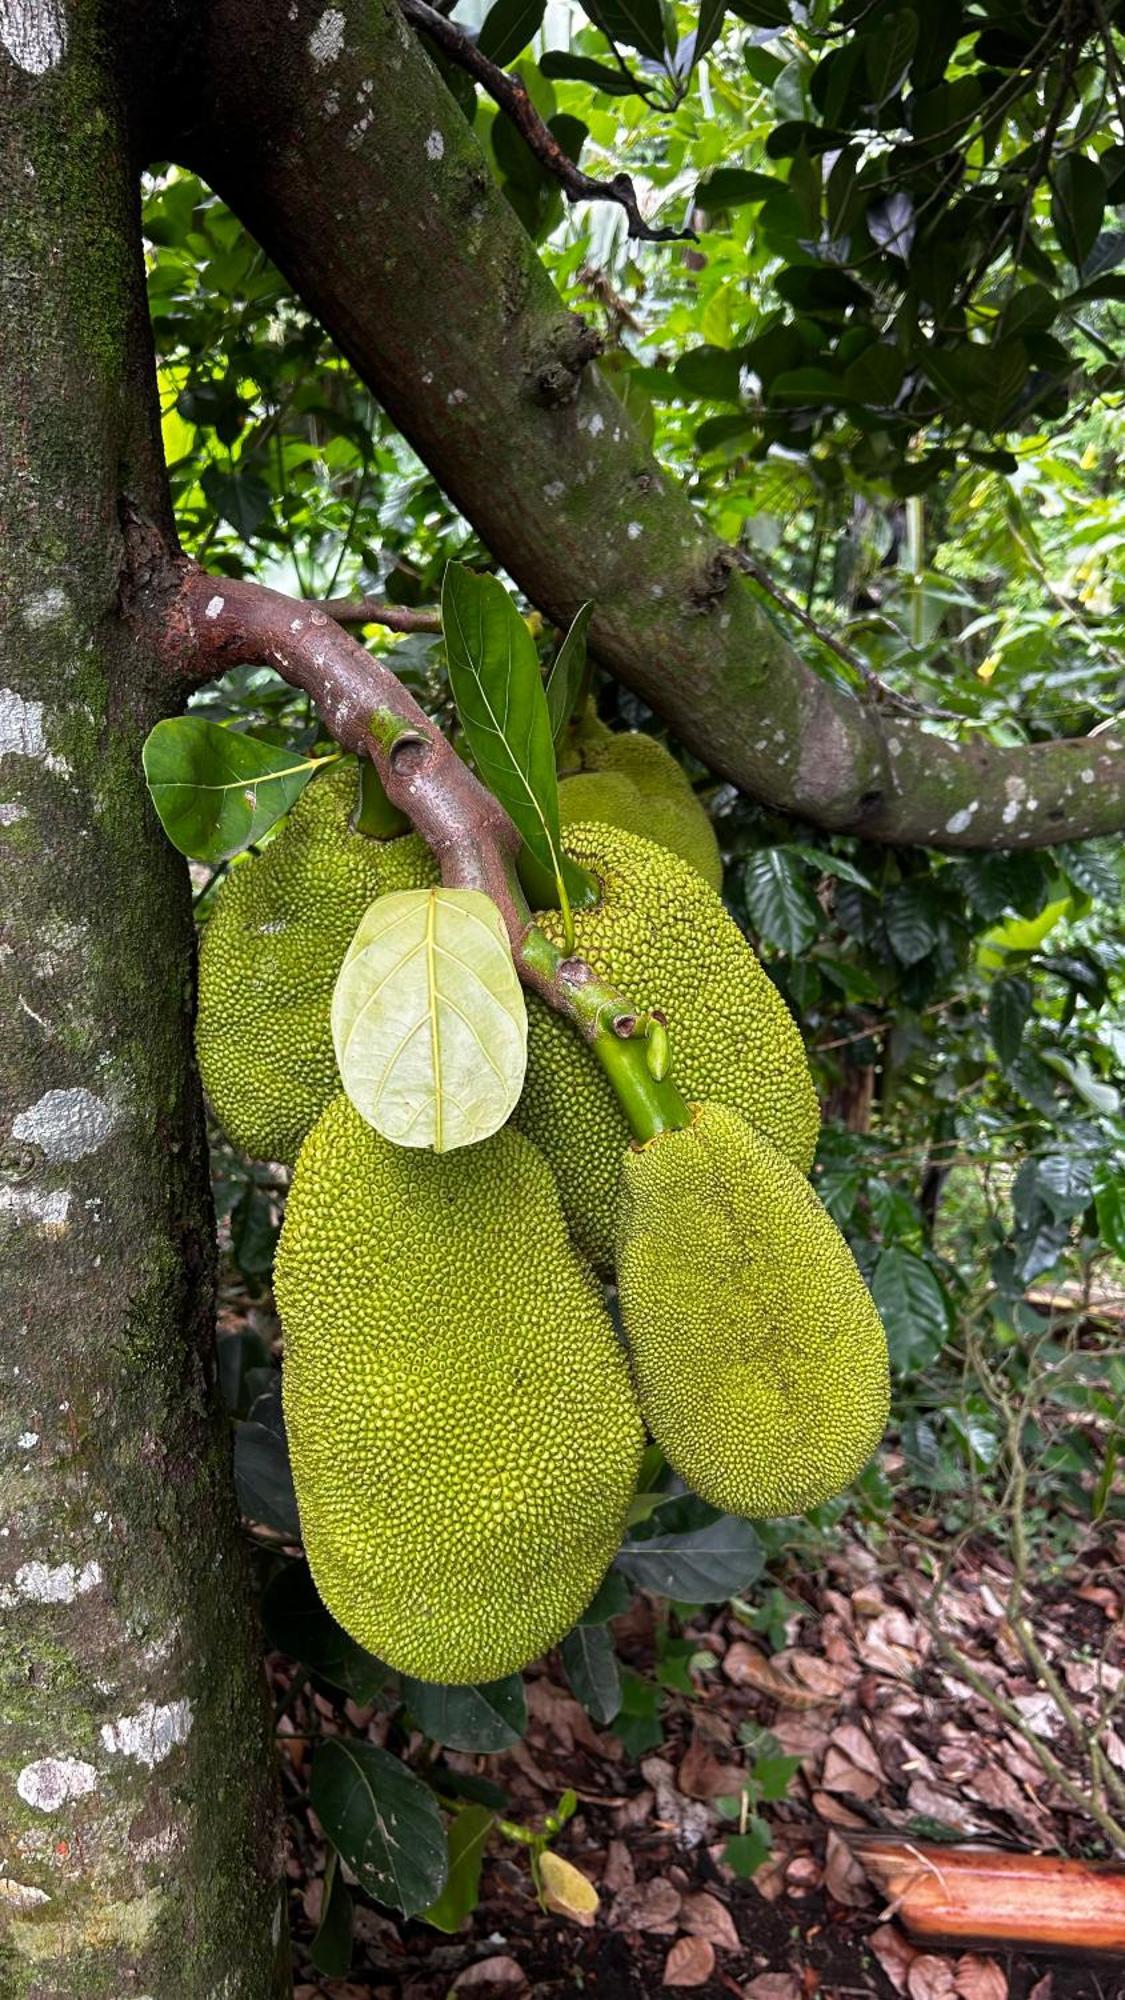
point(508, 27)
point(1109, 1198)
point(637, 23)
point(612, 1597)
point(428, 1019)
point(300, 1624)
point(1077, 205)
point(483, 1719)
point(383, 1820)
point(731, 187)
point(262, 1474)
point(582, 69)
point(468, 1836)
point(591, 1668)
point(217, 790)
point(912, 922)
point(779, 902)
point(494, 674)
point(912, 1307)
point(567, 669)
point(1009, 1009)
point(701, 1567)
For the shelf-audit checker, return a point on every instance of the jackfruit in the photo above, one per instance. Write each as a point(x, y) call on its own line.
point(282, 922)
point(759, 1357)
point(662, 937)
point(631, 781)
point(462, 1427)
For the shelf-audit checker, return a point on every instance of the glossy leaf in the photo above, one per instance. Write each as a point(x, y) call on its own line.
point(639, 24)
point(700, 1567)
point(300, 1624)
point(1009, 1010)
point(468, 1838)
point(1077, 205)
point(484, 1719)
point(494, 674)
point(567, 669)
point(384, 1821)
point(508, 27)
point(428, 1019)
point(218, 790)
point(912, 1307)
point(331, 1948)
point(779, 902)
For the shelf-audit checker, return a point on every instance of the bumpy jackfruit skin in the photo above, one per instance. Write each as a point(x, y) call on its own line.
point(661, 936)
point(462, 1426)
point(271, 950)
point(759, 1357)
point(632, 781)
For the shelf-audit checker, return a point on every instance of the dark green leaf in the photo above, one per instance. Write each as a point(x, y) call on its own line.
point(331, 1948)
point(637, 23)
point(253, 1232)
point(567, 669)
point(485, 1719)
point(779, 902)
point(494, 674)
point(1009, 1009)
point(297, 1622)
point(264, 1480)
point(217, 790)
point(581, 69)
point(591, 1668)
point(888, 51)
point(613, 1596)
point(711, 15)
point(637, 1723)
point(1091, 867)
point(710, 1563)
point(468, 1835)
point(1109, 1199)
point(912, 1306)
point(734, 187)
point(508, 27)
point(241, 498)
point(712, 372)
point(242, 1356)
point(744, 1853)
point(911, 922)
point(1077, 205)
point(383, 1820)
point(1066, 1184)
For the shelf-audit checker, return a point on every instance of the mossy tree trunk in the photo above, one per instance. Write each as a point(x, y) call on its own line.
point(139, 1832)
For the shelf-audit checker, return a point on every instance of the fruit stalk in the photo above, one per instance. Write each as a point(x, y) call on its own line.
point(210, 624)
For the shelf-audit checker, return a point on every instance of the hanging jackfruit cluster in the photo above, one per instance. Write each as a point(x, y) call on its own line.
point(465, 1427)
point(631, 781)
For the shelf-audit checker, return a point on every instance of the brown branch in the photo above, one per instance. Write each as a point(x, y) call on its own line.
point(510, 93)
point(368, 611)
point(209, 624)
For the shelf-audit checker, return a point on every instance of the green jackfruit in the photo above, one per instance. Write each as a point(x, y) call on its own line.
point(662, 937)
point(462, 1427)
point(759, 1357)
point(631, 781)
point(271, 950)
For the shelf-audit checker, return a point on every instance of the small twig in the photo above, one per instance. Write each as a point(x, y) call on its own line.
point(368, 611)
point(510, 93)
point(842, 651)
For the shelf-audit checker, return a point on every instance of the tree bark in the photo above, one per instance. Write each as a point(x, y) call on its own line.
point(139, 1829)
point(331, 133)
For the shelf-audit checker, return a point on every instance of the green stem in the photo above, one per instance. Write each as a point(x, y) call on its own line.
point(374, 814)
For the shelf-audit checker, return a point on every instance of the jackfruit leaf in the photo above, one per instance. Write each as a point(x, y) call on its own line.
point(384, 1821)
point(262, 1473)
point(468, 1834)
point(494, 674)
point(1109, 1198)
point(297, 1622)
point(428, 1019)
point(483, 1719)
point(508, 27)
point(331, 1948)
point(912, 1307)
point(911, 921)
point(1009, 1008)
point(700, 1567)
point(779, 901)
point(591, 1668)
point(218, 790)
point(612, 1597)
point(567, 669)
point(566, 1891)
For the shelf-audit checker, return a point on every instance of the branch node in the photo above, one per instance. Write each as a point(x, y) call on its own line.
point(557, 370)
point(709, 585)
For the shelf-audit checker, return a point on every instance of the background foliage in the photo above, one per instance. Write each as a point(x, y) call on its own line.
point(887, 367)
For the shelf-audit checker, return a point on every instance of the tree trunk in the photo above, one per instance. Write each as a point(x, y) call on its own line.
point(139, 1849)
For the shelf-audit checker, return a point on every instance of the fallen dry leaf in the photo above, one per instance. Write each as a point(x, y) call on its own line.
point(834, 1812)
point(980, 1978)
point(773, 1986)
point(816, 1674)
point(931, 1978)
point(702, 1775)
point(690, 1962)
point(895, 1954)
point(844, 1878)
point(1044, 1988)
point(566, 1890)
point(851, 1764)
point(693, 1822)
point(499, 1971)
point(648, 1906)
point(746, 1667)
point(704, 1916)
point(933, 1802)
point(618, 1872)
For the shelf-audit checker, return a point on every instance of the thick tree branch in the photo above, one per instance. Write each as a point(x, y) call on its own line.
point(210, 624)
point(510, 93)
point(391, 228)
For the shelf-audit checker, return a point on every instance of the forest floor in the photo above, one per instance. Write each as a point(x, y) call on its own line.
point(867, 1689)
